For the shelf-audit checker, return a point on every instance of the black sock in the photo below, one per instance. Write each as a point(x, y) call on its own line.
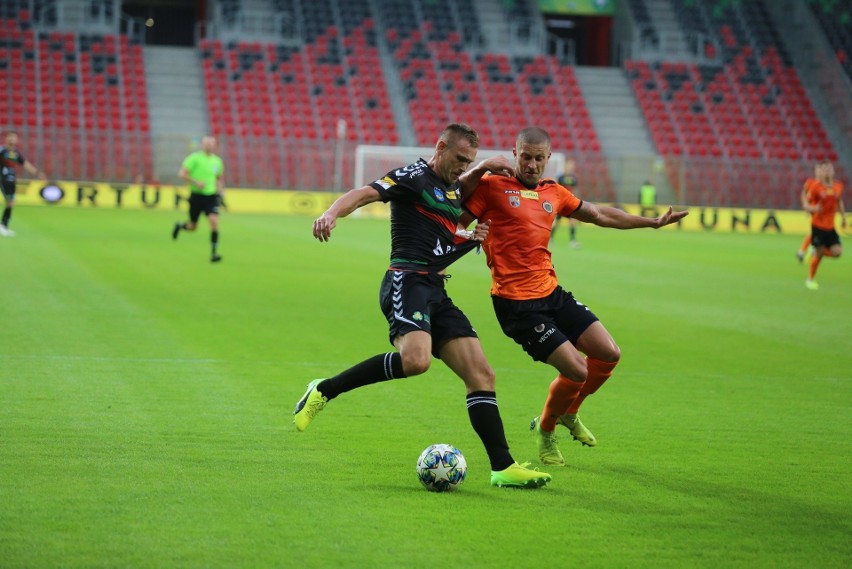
point(382, 367)
point(7, 214)
point(572, 231)
point(214, 240)
point(486, 421)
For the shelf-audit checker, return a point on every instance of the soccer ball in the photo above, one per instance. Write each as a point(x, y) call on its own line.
point(441, 467)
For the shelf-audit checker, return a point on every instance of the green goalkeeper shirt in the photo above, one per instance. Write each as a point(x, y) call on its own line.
point(206, 168)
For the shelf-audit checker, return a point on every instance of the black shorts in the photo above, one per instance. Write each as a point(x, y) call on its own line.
point(824, 237)
point(416, 301)
point(8, 189)
point(543, 324)
point(200, 202)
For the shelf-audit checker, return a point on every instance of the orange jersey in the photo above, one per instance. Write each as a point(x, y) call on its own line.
point(522, 219)
point(827, 197)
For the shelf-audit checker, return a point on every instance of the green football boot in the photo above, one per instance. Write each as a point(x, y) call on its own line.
point(519, 476)
point(311, 403)
point(578, 429)
point(548, 445)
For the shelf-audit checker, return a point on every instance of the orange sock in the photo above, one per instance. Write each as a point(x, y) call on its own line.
point(562, 392)
point(599, 372)
point(813, 267)
point(805, 243)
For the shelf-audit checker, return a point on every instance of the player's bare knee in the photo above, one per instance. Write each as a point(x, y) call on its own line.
point(576, 371)
point(416, 364)
point(612, 354)
point(482, 379)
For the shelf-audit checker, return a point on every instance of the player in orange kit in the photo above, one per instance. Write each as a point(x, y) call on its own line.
point(532, 309)
point(805, 250)
point(823, 199)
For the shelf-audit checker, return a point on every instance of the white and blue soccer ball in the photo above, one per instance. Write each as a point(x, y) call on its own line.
point(441, 468)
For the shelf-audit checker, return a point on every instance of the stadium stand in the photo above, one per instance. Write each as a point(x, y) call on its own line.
point(78, 100)
point(836, 21)
point(750, 110)
point(444, 80)
point(732, 132)
point(647, 32)
point(262, 96)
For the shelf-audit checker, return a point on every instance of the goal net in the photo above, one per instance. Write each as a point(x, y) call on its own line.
point(374, 161)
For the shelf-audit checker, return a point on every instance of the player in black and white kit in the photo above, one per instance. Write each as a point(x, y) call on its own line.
point(10, 159)
point(425, 202)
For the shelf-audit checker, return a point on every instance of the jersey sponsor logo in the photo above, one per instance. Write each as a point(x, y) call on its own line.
point(418, 316)
point(441, 249)
point(529, 194)
point(439, 194)
point(452, 195)
point(548, 207)
point(386, 182)
point(409, 171)
point(543, 338)
point(514, 201)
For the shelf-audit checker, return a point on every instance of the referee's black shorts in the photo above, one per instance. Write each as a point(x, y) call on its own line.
point(209, 204)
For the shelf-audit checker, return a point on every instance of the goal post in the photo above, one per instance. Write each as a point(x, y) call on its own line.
point(374, 161)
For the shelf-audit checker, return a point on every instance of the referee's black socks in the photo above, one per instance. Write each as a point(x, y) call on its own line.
point(214, 241)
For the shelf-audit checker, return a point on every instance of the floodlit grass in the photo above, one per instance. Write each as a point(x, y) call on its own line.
point(147, 399)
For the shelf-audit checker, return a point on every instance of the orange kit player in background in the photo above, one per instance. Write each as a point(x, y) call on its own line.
point(805, 250)
point(823, 198)
point(532, 309)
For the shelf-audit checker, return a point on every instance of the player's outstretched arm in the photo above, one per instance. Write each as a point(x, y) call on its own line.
point(605, 216)
point(343, 206)
point(499, 165)
point(31, 168)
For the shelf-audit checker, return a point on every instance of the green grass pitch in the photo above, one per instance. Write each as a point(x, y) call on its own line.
point(147, 398)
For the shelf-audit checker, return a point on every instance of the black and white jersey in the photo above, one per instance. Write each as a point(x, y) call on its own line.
point(424, 217)
point(9, 160)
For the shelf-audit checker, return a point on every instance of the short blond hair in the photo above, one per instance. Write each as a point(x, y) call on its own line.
point(455, 131)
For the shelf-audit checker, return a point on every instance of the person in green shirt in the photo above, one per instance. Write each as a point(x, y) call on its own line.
point(204, 172)
point(648, 199)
